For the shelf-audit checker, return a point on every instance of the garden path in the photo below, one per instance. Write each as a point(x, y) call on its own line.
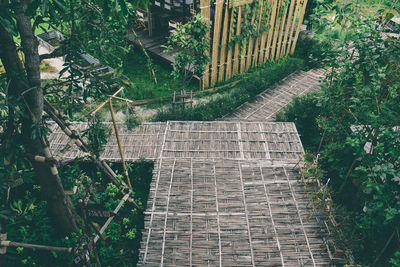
point(268, 103)
point(224, 193)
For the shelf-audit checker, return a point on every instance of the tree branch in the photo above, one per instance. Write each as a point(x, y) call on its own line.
point(58, 52)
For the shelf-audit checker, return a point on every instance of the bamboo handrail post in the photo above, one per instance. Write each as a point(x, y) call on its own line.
point(119, 144)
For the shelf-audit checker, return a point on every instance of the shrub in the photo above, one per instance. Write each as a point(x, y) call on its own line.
point(258, 81)
point(303, 111)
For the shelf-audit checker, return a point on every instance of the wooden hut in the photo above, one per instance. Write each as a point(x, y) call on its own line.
point(243, 33)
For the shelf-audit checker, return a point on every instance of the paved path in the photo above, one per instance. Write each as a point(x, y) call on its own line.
point(225, 193)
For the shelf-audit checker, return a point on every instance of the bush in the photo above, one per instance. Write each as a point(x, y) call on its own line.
point(311, 50)
point(246, 90)
point(303, 111)
point(29, 221)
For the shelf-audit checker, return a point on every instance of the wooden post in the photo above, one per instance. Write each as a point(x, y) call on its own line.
point(119, 144)
point(105, 102)
point(173, 101)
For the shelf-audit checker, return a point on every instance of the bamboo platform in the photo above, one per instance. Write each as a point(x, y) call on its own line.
point(267, 104)
point(208, 140)
point(224, 193)
point(207, 212)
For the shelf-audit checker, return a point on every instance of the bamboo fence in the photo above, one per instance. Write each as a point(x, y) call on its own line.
point(247, 33)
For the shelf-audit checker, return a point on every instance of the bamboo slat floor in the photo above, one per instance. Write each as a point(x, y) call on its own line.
point(267, 104)
point(224, 193)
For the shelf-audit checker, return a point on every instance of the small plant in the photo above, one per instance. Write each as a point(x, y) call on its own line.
point(97, 134)
point(192, 39)
point(131, 121)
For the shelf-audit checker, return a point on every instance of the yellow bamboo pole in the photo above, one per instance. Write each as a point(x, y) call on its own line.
point(216, 41)
point(243, 52)
point(282, 26)
point(289, 20)
point(237, 45)
point(263, 40)
point(289, 43)
point(230, 50)
point(222, 58)
point(105, 102)
point(271, 30)
point(258, 39)
point(205, 13)
point(303, 10)
point(276, 31)
point(119, 144)
point(249, 55)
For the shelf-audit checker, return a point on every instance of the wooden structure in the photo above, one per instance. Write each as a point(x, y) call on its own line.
point(184, 98)
point(243, 33)
point(269, 103)
point(224, 193)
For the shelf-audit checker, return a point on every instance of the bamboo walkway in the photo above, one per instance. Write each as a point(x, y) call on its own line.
point(267, 104)
point(223, 193)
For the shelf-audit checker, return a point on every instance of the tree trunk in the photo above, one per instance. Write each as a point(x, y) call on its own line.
point(26, 83)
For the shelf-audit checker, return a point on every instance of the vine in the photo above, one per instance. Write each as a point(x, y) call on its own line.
point(249, 28)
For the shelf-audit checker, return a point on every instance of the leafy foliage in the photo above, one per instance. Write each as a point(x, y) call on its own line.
point(357, 113)
point(246, 90)
point(29, 220)
point(192, 57)
point(97, 134)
